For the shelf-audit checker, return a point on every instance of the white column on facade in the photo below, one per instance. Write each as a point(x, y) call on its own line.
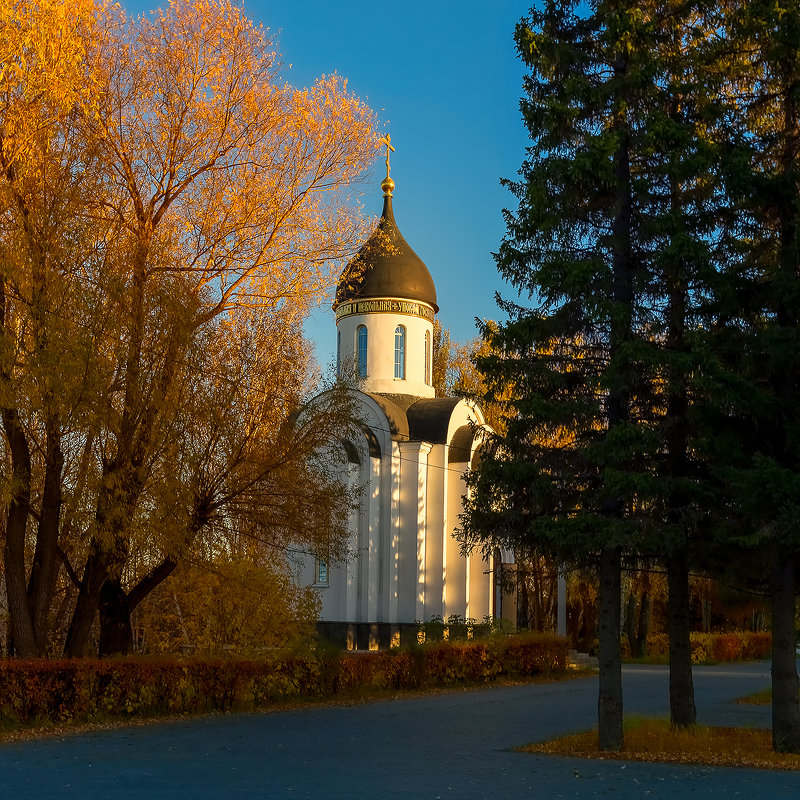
point(479, 587)
point(393, 552)
point(455, 565)
point(414, 513)
point(362, 552)
point(352, 566)
point(373, 541)
point(408, 513)
point(436, 529)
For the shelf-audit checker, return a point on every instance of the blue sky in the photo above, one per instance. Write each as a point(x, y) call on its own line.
point(445, 81)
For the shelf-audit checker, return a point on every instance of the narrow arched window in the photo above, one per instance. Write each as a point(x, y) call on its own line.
point(428, 357)
point(400, 352)
point(338, 354)
point(362, 351)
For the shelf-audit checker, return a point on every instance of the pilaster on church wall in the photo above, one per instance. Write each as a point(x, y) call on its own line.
point(479, 586)
point(373, 541)
point(352, 566)
point(368, 533)
point(392, 549)
point(455, 565)
point(413, 530)
point(435, 523)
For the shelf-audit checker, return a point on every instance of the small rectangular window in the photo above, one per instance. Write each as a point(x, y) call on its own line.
point(321, 570)
point(428, 357)
point(400, 352)
point(361, 344)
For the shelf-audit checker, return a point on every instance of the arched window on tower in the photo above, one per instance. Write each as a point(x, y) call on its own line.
point(428, 357)
point(338, 354)
point(361, 335)
point(400, 352)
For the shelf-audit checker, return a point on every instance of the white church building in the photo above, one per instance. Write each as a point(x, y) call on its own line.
point(408, 460)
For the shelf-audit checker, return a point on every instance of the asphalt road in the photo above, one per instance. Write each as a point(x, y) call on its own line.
point(445, 746)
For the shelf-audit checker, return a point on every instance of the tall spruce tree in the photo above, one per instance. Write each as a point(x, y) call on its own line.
point(759, 311)
point(566, 474)
point(683, 213)
point(613, 242)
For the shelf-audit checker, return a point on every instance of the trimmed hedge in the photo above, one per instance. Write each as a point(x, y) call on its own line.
point(712, 648)
point(85, 690)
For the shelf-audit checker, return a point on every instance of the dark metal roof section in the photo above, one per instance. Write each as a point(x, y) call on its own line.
point(386, 266)
point(402, 401)
point(395, 415)
point(429, 418)
point(460, 450)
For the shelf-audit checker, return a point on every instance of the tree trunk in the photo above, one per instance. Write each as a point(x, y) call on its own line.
point(630, 622)
point(116, 607)
point(609, 702)
point(16, 526)
point(785, 707)
point(46, 563)
point(682, 710)
point(108, 550)
point(523, 600)
point(645, 614)
point(116, 632)
point(94, 576)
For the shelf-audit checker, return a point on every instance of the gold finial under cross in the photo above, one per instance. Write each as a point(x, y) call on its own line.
point(387, 140)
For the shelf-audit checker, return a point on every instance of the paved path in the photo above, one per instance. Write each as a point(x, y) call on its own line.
point(446, 746)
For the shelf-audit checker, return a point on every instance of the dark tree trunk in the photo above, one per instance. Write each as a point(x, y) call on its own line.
point(785, 707)
point(16, 526)
point(115, 608)
point(682, 710)
point(95, 574)
point(108, 551)
point(609, 702)
point(46, 562)
point(116, 632)
point(683, 713)
point(638, 611)
point(645, 614)
point(630, 622)
point(523, 607)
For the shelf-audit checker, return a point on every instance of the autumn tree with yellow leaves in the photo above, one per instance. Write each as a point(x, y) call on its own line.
point(170, 210)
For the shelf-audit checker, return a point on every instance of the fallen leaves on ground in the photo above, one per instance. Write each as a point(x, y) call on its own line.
point(655, 740)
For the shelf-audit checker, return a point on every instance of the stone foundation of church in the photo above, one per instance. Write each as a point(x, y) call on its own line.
point(369, 635)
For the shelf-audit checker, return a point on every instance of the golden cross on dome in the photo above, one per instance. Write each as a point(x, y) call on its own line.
point(387, 140)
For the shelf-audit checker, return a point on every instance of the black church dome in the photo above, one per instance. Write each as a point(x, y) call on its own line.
point(386, 266)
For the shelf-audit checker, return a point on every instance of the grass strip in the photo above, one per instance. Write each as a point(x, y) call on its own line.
point(648, 739)
point(762, 698)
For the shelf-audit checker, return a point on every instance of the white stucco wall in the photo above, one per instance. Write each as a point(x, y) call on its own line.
point(380, 351)
point(406, 566)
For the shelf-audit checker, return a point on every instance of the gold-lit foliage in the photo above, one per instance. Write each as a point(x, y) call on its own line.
point(169, 211)
point(234, 604)
point(250, 170)
point(467, 380)
point(43, 73)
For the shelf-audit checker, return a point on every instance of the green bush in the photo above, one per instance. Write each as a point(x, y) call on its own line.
point(88, 689)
